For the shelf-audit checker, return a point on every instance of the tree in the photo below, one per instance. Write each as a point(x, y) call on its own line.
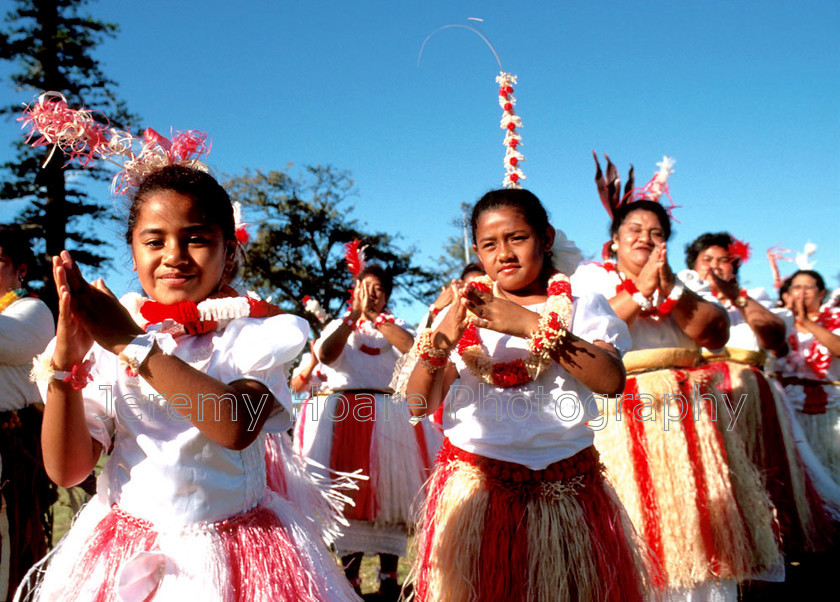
point(298, 249)
point(52, 44)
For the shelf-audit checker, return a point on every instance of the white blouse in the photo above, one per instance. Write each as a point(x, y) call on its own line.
point(537, 423)
point(161, 467)
point(26, 327)
point(647, 333)
point(366, 362)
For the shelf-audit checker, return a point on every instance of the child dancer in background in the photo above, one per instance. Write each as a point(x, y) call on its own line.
point(518, 508)
point(181, 510)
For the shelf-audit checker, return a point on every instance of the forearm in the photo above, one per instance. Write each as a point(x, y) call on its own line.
point(705, 323)
point(70, 453)
point(426, 391)
point(231, 415)
point(400, 338)
point(769, 329)
point(596, 365)
point(334, 344)
point(825, 337)
point(625, 307)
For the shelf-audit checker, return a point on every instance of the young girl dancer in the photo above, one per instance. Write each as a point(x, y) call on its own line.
point(518, 508)
point(181, 510)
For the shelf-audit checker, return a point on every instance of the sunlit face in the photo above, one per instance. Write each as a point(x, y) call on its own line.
point(636, 238)
point(715, 259)
point(804, 287)
point(376, 292)
point(9, 274)
point(177, 255)
point(510, 249)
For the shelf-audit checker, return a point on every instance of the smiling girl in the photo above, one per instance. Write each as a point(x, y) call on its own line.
point(518, 508)
point(178, 394)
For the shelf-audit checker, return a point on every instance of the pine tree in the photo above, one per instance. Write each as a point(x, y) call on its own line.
point(52, 43)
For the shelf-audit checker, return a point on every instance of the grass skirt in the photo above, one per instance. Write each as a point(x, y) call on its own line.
point(496, 530)
point(765, 426)
point(687, 483)
point(263, 554)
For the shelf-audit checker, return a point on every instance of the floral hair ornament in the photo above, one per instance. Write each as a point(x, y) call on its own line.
point(240, 227)
point(83, 138)
point(314, 307)
point(354, 255)
point(510, 120)
point(739, 250)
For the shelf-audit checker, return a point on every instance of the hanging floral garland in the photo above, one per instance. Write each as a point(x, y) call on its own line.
point(555, 320)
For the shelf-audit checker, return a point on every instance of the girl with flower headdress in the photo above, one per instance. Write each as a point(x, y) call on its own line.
point(179, 390)
point(679, 470)
point(518, 507)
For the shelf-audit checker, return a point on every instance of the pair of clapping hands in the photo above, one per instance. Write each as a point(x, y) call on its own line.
point(87, 313)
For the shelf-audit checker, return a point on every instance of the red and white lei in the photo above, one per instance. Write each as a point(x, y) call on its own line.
point(555, 320)
point(200, 318)
point(817, 356)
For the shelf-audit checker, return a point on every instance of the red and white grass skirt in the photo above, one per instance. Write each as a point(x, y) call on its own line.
point(688, 484)
point(365, 432)
point(264, 554)
point(765, 426)
point(496, 530)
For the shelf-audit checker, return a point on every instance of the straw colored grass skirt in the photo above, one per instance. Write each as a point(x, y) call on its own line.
point(687, 482)
point(495, 530)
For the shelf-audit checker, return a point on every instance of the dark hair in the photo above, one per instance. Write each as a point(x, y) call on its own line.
point(516, 198)
point(384, 277)
point(213, 200)
point(706, 240)
point(470, 268)
point(644, 205)
point(815, 275)
point(17, 245)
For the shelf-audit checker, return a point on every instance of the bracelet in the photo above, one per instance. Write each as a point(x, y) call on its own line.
point(136, 352)
point(644, 303)
point(43, 371)
point(433, 358)
point(742, 298)
point(348, 321)
point(382, 318)
point(434, 310)
point(668, 304)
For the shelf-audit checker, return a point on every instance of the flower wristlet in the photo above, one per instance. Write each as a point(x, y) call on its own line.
point(668, 304)
point(644, 303)
point(136, 352)
point(43, 371)
point(433, 358)
point(382, 318)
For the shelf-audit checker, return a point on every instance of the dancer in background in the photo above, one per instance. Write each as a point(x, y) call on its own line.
point(26, 494)
point(359, 428)
point(682, 475)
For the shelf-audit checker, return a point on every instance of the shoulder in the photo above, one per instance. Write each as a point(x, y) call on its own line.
point(34, 315)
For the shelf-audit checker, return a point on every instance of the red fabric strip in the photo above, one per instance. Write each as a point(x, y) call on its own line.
point(351, 451)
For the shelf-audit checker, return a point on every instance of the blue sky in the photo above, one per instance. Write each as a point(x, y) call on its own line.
point(745, 95)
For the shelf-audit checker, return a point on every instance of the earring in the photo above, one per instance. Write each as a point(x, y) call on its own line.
point(614, 247)
point(20, 278)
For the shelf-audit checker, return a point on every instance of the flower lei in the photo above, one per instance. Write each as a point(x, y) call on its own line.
point(555, 320)
point(10, 297)
point(510, 121)
point(209, 315)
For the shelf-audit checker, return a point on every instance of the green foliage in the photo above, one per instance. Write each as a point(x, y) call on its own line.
point(453, 259)
point(51, 43)
point(303, 222)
